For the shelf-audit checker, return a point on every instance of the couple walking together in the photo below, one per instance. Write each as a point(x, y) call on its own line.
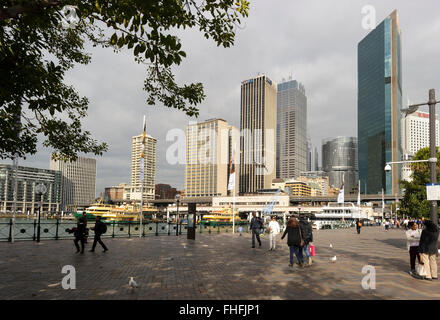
point(299, 237)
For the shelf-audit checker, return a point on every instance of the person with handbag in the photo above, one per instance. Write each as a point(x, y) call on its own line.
point(413, 238)
point(294, 241)
point(256, 226)
point(428, 247)
point(307, 234)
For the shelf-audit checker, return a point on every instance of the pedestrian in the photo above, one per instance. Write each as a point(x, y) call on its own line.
point(80, 234)
point(387, 225)
point(256, 226)
point(413, 238)
point(358, 226)
point(100, 228)
point(274, 231)
point(429, 249)
point(307, 235)
point(240, 230)
point(294, 241)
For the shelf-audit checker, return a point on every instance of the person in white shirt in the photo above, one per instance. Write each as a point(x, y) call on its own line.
point(413, 238)
point(274, 231)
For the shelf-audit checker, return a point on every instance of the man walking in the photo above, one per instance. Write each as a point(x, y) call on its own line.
point(274, 229)
point(80, 235)
point(99, 229)
point(256, 226)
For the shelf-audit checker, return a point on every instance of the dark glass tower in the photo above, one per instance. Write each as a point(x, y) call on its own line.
point(379, 104)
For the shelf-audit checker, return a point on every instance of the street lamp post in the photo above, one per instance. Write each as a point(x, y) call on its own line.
point(177, 214)
point(432, 144)
point(40, 190)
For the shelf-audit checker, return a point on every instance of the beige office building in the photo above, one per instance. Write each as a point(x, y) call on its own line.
point(258, 125)
point(209, 145)
point(133, 192)
point(78, 180)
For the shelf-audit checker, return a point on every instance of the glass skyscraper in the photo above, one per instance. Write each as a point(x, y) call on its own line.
point(379, 105)
point(291, 129)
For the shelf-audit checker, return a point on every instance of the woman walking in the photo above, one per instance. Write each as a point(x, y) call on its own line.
point(294, 241)
point(428, 248)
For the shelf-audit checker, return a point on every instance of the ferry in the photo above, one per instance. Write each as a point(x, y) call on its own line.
point(115, 213)
point(221, 217)
point(338, 212)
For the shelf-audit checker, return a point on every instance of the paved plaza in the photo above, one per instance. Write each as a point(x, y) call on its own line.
point(214, 266)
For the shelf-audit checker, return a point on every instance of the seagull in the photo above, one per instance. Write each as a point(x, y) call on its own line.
point(333, 259)
point(132, 283)
point(331, 246)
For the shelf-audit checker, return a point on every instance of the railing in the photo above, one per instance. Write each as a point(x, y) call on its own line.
point(60, 229)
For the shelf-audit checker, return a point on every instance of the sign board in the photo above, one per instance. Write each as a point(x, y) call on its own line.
point(433, 191)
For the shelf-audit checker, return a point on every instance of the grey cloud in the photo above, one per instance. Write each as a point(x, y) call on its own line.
point(314, 41)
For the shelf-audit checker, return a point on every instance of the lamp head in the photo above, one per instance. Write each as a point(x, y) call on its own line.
point(387, 168)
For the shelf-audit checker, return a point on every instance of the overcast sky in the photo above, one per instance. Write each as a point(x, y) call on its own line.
point(315, 42)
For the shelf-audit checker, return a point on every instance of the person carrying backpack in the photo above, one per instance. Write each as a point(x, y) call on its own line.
point(99, 229)
point(307, 235)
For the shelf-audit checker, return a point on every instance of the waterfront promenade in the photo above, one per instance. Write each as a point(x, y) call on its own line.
point(215, 266)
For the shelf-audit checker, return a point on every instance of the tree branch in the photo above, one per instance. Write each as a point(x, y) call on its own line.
point(14, 11)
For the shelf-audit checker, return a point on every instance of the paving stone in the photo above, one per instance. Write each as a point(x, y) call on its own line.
point(214, 266)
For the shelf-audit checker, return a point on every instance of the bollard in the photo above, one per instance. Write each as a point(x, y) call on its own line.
point(157, 228)
point(113, 234)
point(129, 224)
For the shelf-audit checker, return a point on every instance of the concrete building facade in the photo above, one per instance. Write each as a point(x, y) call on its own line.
point(79, 181)
point(258, 127)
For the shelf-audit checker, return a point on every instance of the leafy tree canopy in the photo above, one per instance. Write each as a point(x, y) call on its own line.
point(414, 203)
point(37, 47)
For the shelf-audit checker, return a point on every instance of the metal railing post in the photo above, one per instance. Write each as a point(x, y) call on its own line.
point(10, 231)
point(35, 227)
point(129, 231)
point(56, 232)
point(113, 234)
point(169, 225)
point(157, 228)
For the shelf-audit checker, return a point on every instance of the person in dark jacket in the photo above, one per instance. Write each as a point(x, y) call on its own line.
point(256, 225)
point(358, 226)
point(428, 248)
point(307, 235)
point(293, 231)
point(80, 235)
point(99, 229)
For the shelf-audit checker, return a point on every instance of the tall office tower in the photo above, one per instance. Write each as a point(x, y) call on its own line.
point(209, 145)
point(258, 126)
point(339, 161)
point(148, 192)
point(309, 156)
point(291, 129)
point(379, 105)
point(316, 160)
point(78, 180)
point(415, 136)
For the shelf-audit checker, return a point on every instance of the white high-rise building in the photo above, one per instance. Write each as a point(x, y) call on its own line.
point(415, 136)
point(133, 192)
point(78, 180)
point(209, 148)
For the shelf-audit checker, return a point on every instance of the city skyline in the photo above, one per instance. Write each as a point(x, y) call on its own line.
point(314, 62)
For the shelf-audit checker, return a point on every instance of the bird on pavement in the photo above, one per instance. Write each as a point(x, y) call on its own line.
point(132, 283)
point(331, 246)
point(333, 259)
